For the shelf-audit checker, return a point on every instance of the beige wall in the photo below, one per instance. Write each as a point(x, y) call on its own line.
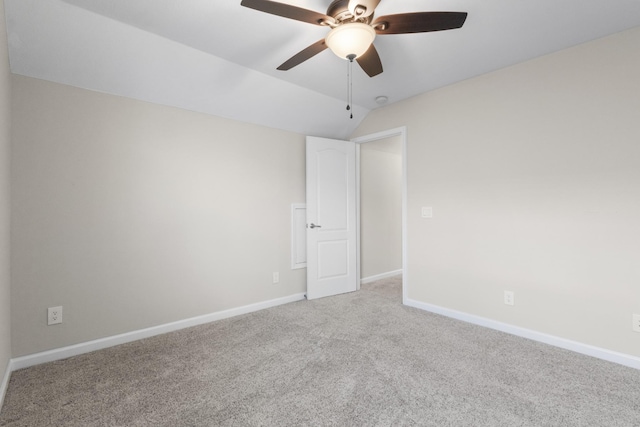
point(5, 135)
point(132, 215)
point(380, 207)
point(534, 176)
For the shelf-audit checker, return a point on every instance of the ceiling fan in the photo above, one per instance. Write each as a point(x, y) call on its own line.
point(353, 28)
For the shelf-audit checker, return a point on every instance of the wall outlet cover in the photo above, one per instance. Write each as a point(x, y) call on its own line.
point(509, 298)
point(54, 315)
point(636, 322)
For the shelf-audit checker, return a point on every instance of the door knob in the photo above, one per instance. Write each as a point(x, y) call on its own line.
point(315, 226)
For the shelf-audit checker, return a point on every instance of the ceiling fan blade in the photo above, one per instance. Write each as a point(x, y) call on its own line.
point(362, 8)
point(419, 22)
point(303, 55)
point(288, 11)
point(370, 62)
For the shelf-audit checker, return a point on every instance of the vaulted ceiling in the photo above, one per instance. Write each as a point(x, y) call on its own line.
point(217, 57)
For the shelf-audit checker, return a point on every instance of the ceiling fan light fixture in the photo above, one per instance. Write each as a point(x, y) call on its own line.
point(353, 38)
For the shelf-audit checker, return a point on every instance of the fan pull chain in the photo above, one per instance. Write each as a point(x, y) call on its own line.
point(350, 84)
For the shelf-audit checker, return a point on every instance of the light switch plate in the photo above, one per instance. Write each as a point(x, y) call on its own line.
point(427, 212)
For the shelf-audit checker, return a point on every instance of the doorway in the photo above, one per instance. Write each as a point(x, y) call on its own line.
point(382, 238)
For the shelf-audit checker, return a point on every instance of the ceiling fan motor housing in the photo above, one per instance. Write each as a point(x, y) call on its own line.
point(339, 10)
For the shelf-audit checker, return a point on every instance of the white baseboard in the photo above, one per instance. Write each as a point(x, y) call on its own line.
point(5, 381)
point(77, 349)
point(380, 276)
point(586, 349)
point(86, 347)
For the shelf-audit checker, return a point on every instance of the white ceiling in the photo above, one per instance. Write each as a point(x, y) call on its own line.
point(217, 57)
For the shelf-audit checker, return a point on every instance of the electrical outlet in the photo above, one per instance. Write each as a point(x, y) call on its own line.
point(276, 277)
point(636, 322)
point(54, 315)
point(509, 298)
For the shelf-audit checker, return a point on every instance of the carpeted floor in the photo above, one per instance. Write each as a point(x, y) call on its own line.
point(360, 359)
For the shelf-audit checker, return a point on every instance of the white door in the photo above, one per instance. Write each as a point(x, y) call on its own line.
point(331, 217)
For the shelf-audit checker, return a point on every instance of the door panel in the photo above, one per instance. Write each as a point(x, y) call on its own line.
point(332, 185)
point(332, 259)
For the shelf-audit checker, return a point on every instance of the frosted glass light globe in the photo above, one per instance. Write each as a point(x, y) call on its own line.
point(353, 38)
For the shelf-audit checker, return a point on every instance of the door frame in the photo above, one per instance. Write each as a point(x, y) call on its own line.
point(402, 133)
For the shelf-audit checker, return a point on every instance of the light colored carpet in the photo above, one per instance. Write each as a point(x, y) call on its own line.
point(360, 359)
